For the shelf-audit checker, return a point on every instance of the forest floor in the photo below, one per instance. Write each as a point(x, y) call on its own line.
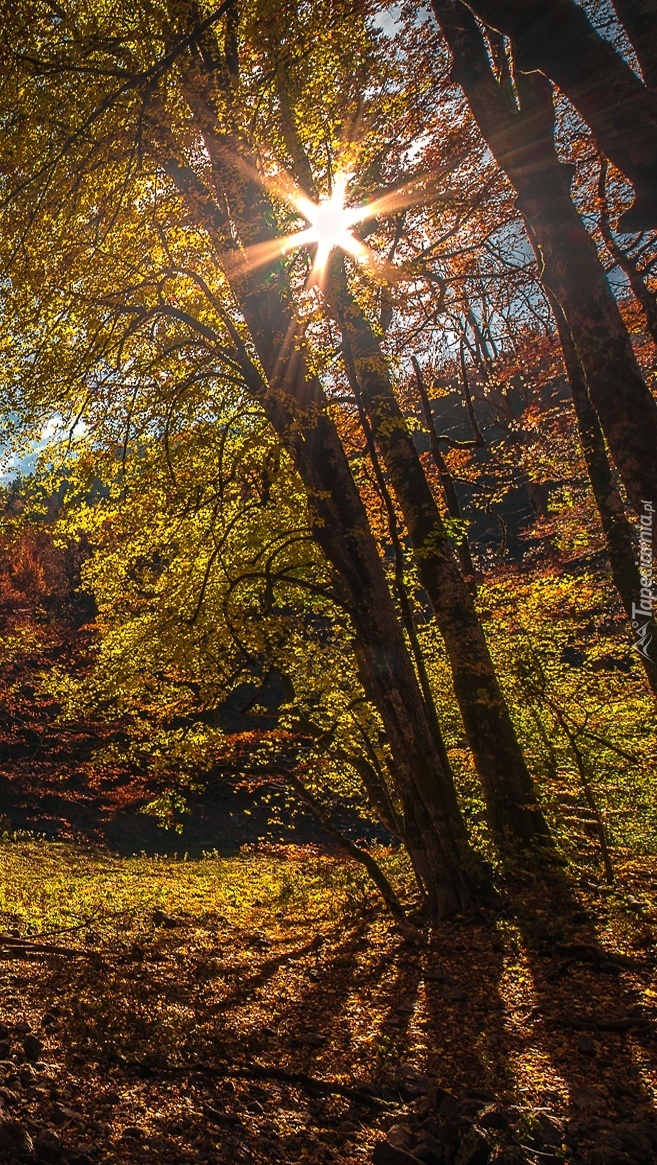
point(263, 1009)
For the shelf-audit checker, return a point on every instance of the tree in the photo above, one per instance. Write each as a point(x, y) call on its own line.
point(181, 116)
point(521, 138)
point(557, 38)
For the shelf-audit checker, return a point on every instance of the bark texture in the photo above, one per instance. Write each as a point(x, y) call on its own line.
point(617, 530)
point(639, 19)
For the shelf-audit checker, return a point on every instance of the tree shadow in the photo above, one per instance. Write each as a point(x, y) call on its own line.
point(589, 1021)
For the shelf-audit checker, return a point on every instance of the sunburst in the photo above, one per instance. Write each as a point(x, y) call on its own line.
point(331, 222)
point(330, 226)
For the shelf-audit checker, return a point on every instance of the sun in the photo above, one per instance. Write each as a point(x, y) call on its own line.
point(330, 226)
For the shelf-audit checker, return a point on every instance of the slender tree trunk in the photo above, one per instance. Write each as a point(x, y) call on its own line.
point(646, 298)
point(617, 529)
point(508, 788)
point(556, 38)
point(639, 19)
point(446, 481)
point(523, 144)
point(353, 851)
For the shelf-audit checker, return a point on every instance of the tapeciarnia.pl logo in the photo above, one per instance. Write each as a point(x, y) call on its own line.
point(642, 612)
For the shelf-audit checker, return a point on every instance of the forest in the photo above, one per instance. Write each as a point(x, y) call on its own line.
point(328, 642)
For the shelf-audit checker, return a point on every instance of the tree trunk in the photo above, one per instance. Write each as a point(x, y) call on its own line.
point(556, 38)
point(446, 481)
point(617, 529)
point(522, 142)
point(508, 788)
point(646, 298)
point(639, 19)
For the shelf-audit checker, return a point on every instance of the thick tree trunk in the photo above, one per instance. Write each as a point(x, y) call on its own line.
point(295, 405)
point(509, 792)
point(522, 142)
point(639, 19)
point(573, 272)
point(508, 787)
point(617, 529)
point(556, 38)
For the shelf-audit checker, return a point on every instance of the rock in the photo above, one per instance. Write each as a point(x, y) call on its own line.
point(548, 1131)
point(473, 1150)
point(15, 1141)
point(414, 1084)
point(132, 1132)
point(48, 1146)
point(429, 1150)
point(385, 1154)
point(33, 1047)
point(5, 1049)
point(167, 920)
point(448, 1105)
point(494, 1118)
point(471, 1107)
point(4, 1032)
point(23, 1027)
point(585, 1045)
point(421, 1107)
point(400, 1137)
point(83, 1155)
point(51, 1015)
point(311, 1040)
point(60, 1115)
point(27, 1076)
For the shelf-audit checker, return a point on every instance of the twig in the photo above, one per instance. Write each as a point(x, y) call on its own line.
point(32, 948)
